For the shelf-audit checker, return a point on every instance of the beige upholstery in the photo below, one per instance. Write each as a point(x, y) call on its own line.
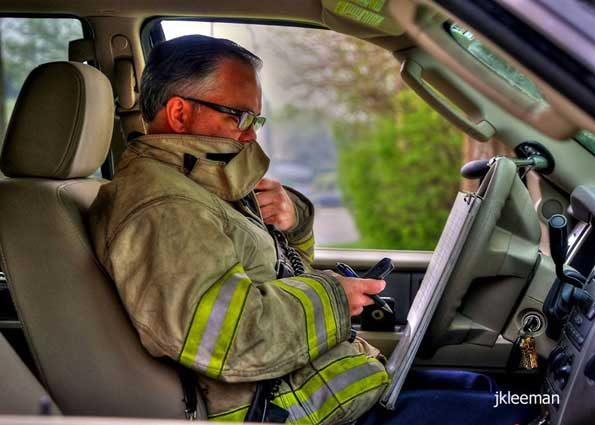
point(63, 110)
point(20, 392)
point(88, 354)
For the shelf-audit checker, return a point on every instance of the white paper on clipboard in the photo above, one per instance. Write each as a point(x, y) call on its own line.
point(461, 218)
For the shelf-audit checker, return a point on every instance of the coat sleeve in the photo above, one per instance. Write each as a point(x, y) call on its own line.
point(301, 235)
point(190, 298)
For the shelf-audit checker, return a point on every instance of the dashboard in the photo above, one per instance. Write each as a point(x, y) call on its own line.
point(570, 376)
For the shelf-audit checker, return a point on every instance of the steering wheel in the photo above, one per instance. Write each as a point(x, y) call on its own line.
point(506, 213)
point(502, 243)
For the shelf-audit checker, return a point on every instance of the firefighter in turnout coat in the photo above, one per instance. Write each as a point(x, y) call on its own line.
point(184, 235)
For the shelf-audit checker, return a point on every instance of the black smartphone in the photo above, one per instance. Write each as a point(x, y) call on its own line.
point(380, 270)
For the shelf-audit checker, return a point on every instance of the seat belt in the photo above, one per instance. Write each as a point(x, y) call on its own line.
point(189, 382)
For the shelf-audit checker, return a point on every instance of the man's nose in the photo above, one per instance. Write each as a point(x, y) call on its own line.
point(247, 135)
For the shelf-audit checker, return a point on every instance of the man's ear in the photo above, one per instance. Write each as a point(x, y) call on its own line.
point(178, 114)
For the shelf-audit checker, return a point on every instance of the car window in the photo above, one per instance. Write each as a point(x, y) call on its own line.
point(24, 44)
point(381, 167)
point(509, 74)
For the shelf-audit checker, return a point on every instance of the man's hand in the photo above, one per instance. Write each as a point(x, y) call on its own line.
point(356, 290)
point(275, 204)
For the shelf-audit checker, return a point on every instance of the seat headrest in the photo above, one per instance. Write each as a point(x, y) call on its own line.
point(61, 126)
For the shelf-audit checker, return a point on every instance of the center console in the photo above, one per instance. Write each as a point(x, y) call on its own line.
point(570, 376)
point(571, 369)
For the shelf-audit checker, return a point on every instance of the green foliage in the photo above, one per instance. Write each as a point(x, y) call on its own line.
point(24, 44)
point(398, 160)
point(28, 42)
point(400, 176)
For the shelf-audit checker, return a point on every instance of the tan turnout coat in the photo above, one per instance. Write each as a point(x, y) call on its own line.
point(196, 273)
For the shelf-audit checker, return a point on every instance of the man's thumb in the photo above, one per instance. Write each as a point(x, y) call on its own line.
point(374, 286)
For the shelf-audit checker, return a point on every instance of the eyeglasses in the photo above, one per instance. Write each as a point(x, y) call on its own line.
point(246, 119)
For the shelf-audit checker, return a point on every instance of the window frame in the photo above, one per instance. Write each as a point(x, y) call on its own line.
point(151, 31)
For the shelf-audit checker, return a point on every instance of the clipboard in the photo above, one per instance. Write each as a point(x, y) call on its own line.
point(445, 257)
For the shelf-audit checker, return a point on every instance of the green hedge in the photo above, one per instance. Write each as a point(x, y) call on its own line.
point(400, 175)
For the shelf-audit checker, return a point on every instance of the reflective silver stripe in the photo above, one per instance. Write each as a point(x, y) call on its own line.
point(216, 318)
point(319, 322)
point(343, 380)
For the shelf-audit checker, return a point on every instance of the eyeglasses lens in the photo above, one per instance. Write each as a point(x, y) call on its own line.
point(247, 120)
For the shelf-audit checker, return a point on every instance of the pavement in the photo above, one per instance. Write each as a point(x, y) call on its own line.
point(334, 225)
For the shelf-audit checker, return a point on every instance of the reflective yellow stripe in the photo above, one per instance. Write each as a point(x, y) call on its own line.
point(335, 385)
point(324, 392)
point(291, 399)
point(199, 323)
point(318, 380)
point(215, 322)
point(236, 415)
point(344, 396)
point(310, 314)
point(329, 315)
point(286, 400)
point(228, 329)
point(321, 327)
point(306, 247)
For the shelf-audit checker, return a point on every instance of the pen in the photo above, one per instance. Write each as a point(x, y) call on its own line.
point(347, 271)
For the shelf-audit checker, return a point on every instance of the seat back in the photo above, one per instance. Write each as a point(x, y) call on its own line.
point(21, 393)
point(88, 353)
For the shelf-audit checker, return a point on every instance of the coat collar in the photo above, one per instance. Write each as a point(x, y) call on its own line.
point(225, 167)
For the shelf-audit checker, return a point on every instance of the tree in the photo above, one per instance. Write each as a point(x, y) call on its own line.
point(399, 177)
point(347, 77)
point(398, 160)
point(26, 43)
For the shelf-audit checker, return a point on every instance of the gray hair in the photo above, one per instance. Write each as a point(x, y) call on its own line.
point(185, 63)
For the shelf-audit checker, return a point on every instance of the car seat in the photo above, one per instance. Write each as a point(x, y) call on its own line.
point(88, 353)
point(21, 392)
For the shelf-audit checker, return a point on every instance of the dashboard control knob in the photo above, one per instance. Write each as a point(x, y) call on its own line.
point(562, 375)
point(558, 358)
point(572, 296)
point(565, 371)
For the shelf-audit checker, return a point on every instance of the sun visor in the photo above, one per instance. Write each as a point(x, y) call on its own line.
point(555, 115)
point(361, 18)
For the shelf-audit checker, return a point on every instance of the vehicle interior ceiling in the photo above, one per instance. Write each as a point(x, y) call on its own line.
point(414, 31)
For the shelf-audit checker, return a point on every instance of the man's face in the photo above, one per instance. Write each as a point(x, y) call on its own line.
point(236, 86)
